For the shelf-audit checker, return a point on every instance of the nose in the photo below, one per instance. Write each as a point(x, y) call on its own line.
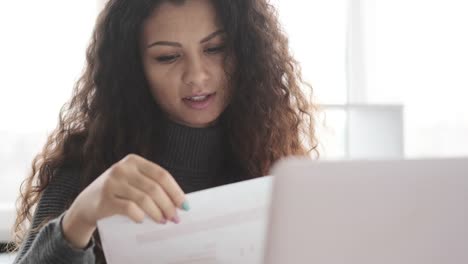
point(195, 72)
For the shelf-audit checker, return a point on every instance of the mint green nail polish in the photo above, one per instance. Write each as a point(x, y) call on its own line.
point(185, 206)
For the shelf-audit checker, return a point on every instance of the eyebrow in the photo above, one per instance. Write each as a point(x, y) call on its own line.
point(176, 44)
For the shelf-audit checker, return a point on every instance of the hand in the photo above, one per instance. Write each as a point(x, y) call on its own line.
point(133, 187)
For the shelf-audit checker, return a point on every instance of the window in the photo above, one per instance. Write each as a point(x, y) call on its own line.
point(402, 62)
point(422, 62)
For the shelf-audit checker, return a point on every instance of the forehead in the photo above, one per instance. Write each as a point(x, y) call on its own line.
point(178, 21)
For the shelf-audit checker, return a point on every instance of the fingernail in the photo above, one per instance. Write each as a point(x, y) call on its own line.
point(185, 206)
point(164, 221)
point(175, 219)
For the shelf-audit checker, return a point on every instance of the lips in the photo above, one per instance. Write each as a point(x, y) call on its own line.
point(197, 98)
point(200, 101)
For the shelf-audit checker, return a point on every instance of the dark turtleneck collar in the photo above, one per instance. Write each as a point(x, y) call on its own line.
point(198, 158)
point(186, 148)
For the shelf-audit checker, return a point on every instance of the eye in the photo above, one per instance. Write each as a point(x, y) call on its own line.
point(215, 50)
point(167, 59)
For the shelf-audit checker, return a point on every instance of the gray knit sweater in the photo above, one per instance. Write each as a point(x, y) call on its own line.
point(197, 158)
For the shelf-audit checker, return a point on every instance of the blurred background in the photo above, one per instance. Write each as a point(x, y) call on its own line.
point(390, 77)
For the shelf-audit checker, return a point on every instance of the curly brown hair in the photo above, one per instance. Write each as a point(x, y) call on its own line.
point(269, 116)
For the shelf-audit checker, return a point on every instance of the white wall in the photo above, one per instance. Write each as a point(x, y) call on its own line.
point(42, 46)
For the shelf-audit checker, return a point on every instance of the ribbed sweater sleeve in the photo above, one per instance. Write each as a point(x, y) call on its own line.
point(48, 245)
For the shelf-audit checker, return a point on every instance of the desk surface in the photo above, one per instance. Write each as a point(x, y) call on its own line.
point(7, 218)
point(6, 258)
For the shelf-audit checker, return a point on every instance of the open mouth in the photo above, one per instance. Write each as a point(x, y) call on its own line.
point(200, 101)
point(198, 98)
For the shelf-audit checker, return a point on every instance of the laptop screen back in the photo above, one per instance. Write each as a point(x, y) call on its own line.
point(369, 212)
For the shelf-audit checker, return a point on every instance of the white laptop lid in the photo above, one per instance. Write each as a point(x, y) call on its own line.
point(369, 212)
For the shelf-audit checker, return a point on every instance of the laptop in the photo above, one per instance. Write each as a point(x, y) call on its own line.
point(369, 212)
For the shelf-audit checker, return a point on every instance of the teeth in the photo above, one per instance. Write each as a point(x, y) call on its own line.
point(198, 98)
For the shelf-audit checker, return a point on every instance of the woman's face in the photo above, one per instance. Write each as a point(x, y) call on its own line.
point(182, 55)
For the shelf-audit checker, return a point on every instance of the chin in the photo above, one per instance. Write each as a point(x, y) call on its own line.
point(202, 121)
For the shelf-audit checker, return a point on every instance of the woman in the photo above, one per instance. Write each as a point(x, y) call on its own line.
point(177, 96)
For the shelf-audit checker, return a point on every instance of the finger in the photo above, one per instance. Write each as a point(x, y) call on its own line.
point(157, 193)
point(163, 178)
point(130, 209)
point(142, 200)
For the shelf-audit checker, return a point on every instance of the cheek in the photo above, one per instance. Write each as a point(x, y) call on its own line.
point(224, 85)
point(160, 83)
point(162, 93)
point(224, 79)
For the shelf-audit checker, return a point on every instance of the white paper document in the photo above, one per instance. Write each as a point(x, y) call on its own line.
point(226, 224)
